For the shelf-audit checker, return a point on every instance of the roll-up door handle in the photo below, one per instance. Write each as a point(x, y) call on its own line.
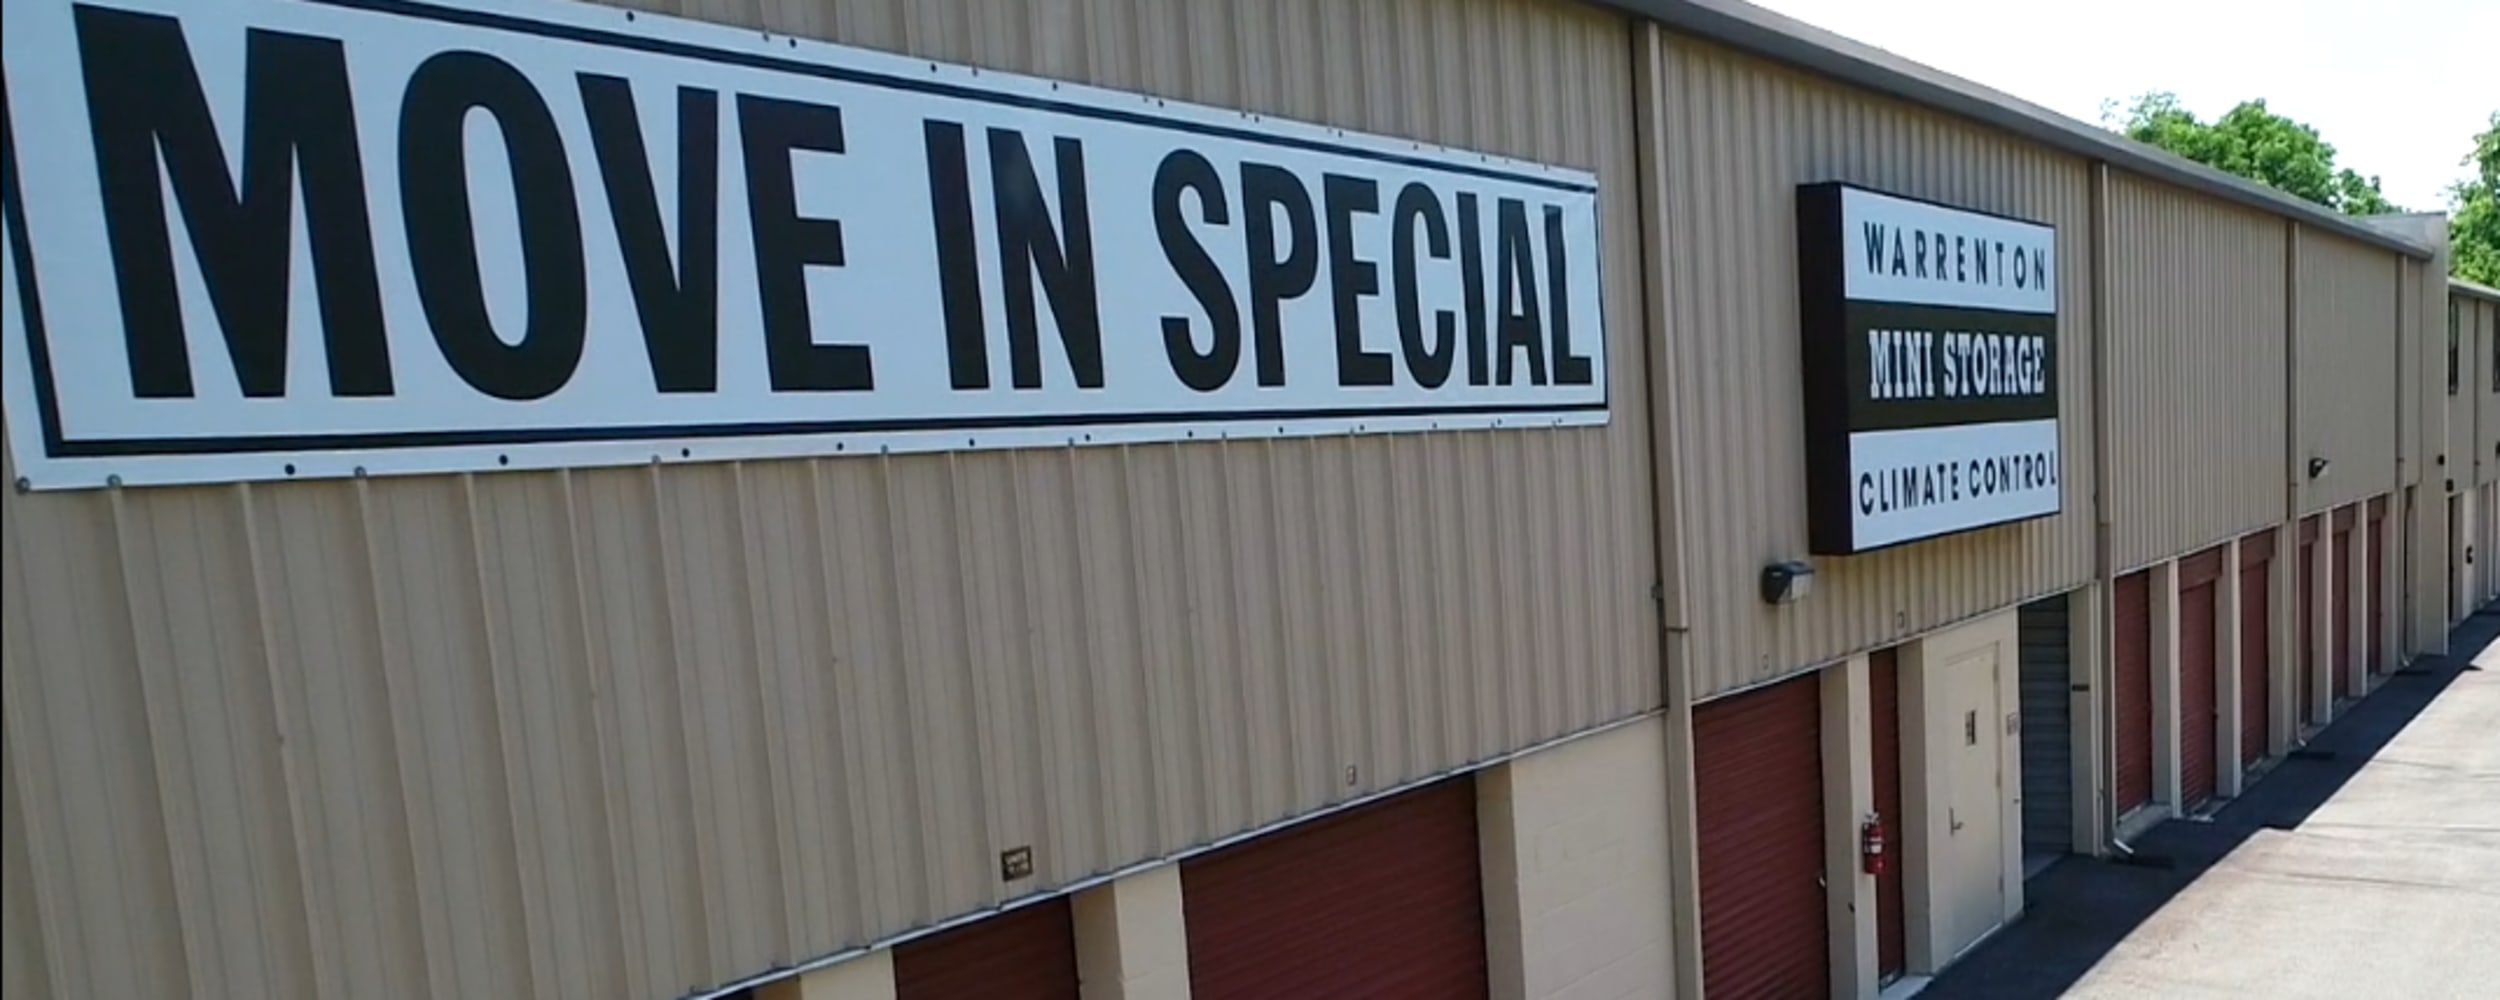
point(1954, 817)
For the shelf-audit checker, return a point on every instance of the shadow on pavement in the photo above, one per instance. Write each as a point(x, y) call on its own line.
point(2080, 909)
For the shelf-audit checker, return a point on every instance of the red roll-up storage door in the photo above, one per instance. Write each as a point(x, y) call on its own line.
point(1028, 953)
point(2342, 625)
point(2377, 582)
point(2134, 689)
point(2198, 637)
point(2308, 601)
point(1891, 909)
point(1758, 775)
point(1382, 900)
point(2256, 649)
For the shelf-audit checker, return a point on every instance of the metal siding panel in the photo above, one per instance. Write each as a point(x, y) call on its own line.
point(783, 545)
point(2481, 370)
point(326, 647)
point(942, 639)
point(2346, 337)
point(635, 732)
point(713, 603)
point(203, 677)
point(543, 697)
point(2460, 441)
point(1115, 611)
point(25, 968)
point(1739, 134)
point(886, 797)
point(2420, 368)
point(2198, 340)
point(615, 524)
point(985, 701)
point(89, 816)
point(437, 661)
point(2416, 329)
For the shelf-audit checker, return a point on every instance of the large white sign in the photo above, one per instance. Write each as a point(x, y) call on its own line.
point(254, 239)
point(1930, 347)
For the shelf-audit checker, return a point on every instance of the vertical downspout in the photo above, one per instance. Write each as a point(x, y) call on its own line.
point(2103, 575)
point(1672, 591)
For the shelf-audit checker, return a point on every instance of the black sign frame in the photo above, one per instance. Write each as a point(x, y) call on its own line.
point(1837, 368)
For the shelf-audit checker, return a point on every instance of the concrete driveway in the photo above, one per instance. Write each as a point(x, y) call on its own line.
point(2367, 866)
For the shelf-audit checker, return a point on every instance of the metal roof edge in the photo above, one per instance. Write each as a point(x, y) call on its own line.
point(1788, 40)
point(2473, 290)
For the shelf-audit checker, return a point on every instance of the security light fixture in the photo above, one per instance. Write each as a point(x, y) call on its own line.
point(1787, 582)
point(2317, 467)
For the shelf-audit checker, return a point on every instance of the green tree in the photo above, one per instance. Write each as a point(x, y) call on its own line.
point(2474, 228)
point(2256, 143)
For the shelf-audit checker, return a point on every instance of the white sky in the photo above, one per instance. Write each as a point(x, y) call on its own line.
point(2399, 87)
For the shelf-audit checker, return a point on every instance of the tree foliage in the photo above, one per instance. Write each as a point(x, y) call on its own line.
point(2474, 228)
point(2256, 143)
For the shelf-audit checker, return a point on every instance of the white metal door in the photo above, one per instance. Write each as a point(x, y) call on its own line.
point(1975, 802)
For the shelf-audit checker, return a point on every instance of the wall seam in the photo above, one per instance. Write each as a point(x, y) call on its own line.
point(2102, 528)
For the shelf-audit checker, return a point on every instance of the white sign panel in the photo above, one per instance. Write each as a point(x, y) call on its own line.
point(1922, 482)
point(1930, 347)
point(1917, 253)
point(254, 239)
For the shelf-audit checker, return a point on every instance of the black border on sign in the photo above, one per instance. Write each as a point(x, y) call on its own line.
point(1824, 369)
point(1822, 307)
point(58, 445)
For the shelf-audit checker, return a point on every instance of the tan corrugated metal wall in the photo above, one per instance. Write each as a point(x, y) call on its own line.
point(2481, 370)
point(2198, 334)
point(2458, 438)
point(627, 733)
point(2346, 336)
point(1740, 134)
point(2420, 328)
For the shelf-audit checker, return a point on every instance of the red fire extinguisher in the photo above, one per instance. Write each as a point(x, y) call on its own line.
point(1871, 845)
